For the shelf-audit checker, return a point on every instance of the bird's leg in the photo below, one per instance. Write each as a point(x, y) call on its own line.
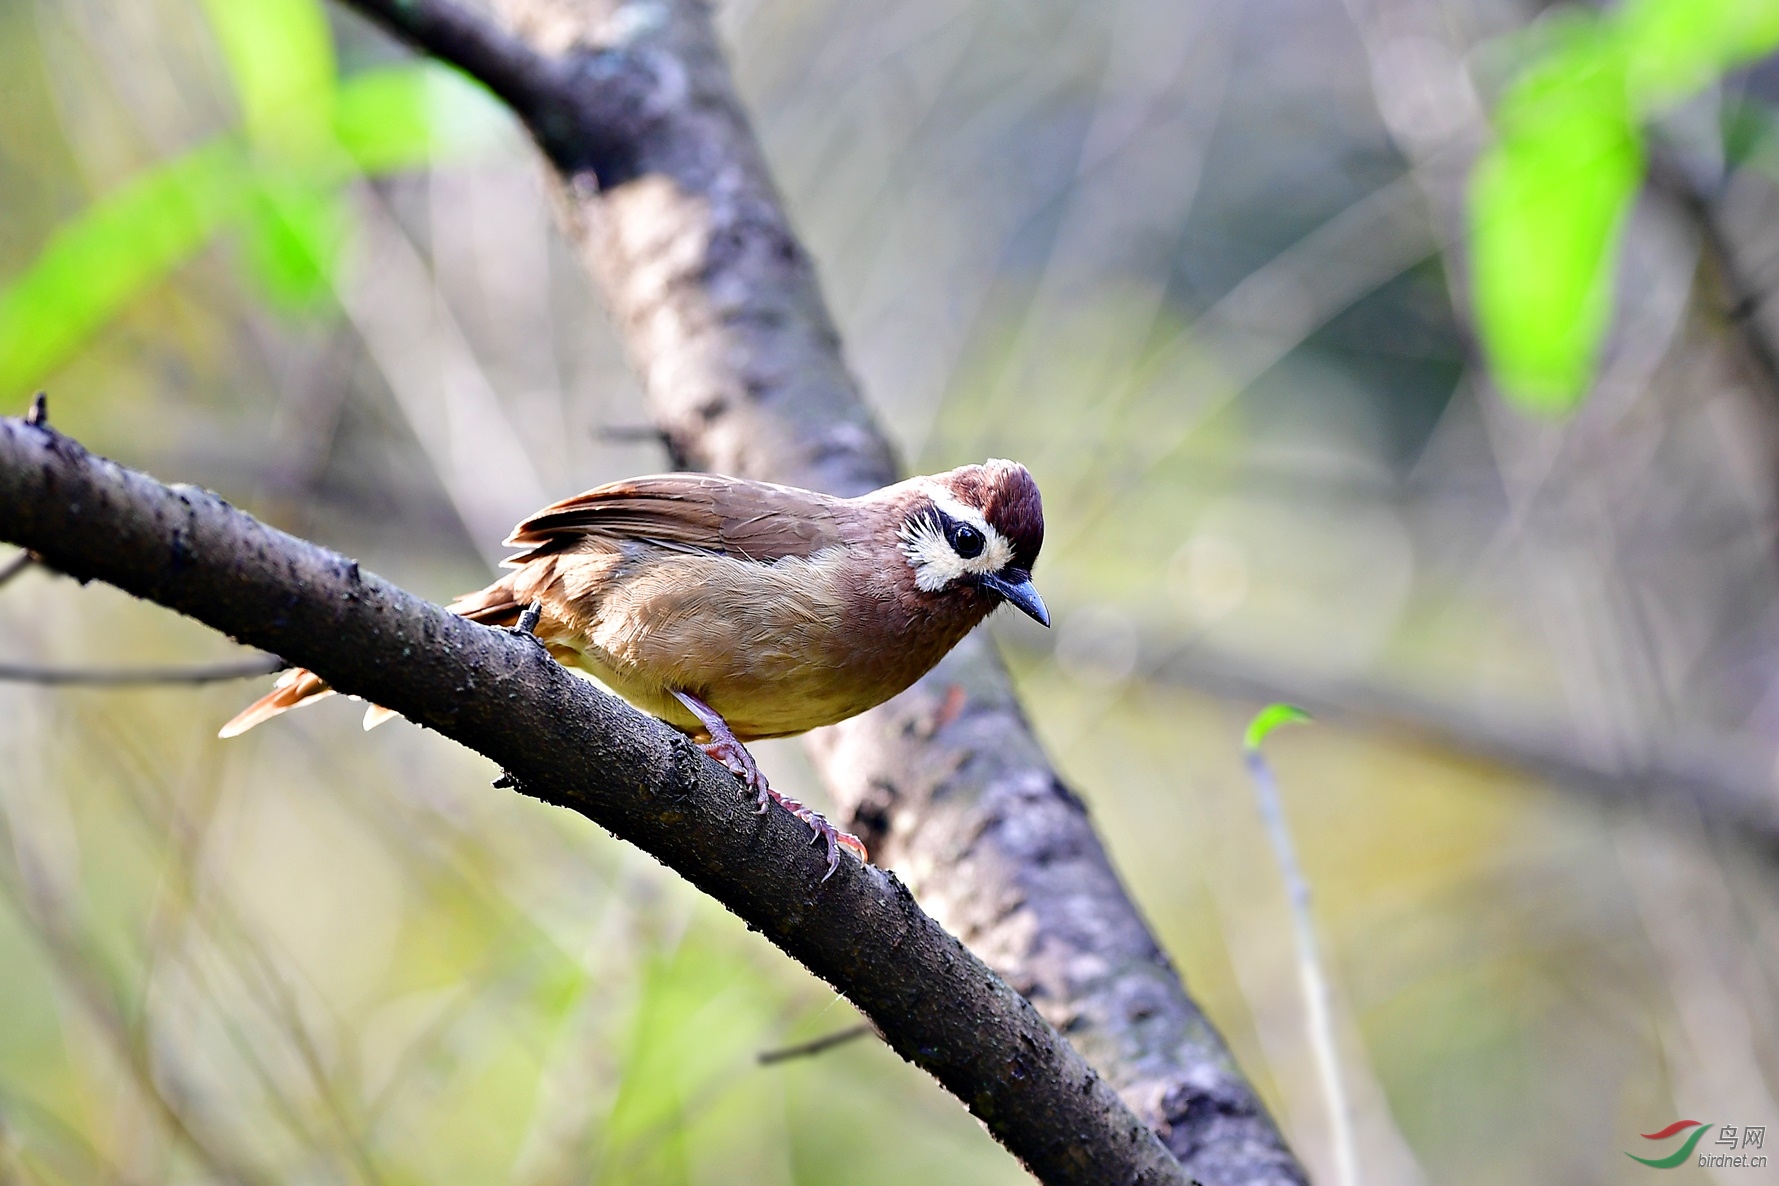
point(726, 748)
point(526, 627)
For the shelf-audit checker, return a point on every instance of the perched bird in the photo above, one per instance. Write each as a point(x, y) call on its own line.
point(736, 610)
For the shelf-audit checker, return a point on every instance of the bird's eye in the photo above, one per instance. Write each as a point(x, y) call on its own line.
point(966, 541)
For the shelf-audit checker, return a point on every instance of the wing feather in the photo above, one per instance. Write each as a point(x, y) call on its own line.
point(687, 512)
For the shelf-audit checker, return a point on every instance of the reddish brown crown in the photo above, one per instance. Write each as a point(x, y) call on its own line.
point(1009, 500)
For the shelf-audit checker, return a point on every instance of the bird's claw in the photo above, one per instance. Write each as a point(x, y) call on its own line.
point(826, 834)
point(734, 758)
point(727, 749)
point(526, 627)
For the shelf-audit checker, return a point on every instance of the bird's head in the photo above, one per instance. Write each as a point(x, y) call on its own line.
point(978, 527)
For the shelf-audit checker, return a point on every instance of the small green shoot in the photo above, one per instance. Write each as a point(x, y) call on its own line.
point(1270, 718)
point(1318, 1012)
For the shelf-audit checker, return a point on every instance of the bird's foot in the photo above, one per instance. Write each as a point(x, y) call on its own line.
point(727, 749)
point(737, 761)
point(832, 838)
point(526, 627)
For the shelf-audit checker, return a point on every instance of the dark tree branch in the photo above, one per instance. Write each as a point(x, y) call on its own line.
point(724, 318)
point(564, 742)
point(581, 106)
point(67, 677)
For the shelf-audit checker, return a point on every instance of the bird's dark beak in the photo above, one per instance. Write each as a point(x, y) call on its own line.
point(1019, 593)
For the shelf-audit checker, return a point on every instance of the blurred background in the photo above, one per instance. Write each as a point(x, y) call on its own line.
point(1200, 266)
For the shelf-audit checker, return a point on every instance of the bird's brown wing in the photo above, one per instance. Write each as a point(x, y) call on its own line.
point(687, 512)
point(696, 512)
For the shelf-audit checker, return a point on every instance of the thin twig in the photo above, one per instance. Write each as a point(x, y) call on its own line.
point(1729, 781)
point(1741, 297)
point(16, 565)
point(1309, 967)
point(628, 434)
point(814, 1046)
point(134, 677)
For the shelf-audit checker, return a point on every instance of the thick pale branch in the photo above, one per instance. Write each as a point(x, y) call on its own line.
point(667, 195)
point(582, 107)
point(563, 741)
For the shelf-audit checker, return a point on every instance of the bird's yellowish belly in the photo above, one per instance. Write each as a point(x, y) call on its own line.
point(774, 649)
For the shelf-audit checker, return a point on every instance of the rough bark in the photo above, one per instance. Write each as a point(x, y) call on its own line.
point(667, 195)
point(563, 741)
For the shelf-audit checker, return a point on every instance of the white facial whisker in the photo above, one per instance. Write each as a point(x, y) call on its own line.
point(936, 563)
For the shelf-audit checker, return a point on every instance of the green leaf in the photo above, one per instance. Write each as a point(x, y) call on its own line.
point(1675, 48)
point(384, 118)
point(280, 54)
point(1547, 205)
point(99, 261)
point(294, 235)
point(1548, 201)
point(405, 116)
point(1270, 718)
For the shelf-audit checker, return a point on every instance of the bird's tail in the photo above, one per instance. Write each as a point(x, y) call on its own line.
point(294, 687)
point(493, 606)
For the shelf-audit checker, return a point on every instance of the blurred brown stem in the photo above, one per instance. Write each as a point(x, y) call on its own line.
point(1725, 781)
point(15, 566)
point(1742, 300)
point(814, 1046)
point(125, 677)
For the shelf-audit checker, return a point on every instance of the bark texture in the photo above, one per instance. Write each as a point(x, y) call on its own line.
point(563, 741)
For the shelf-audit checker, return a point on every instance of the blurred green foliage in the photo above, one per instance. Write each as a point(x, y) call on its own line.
point(125, 242)
point(280, 179)
point(1549, 199)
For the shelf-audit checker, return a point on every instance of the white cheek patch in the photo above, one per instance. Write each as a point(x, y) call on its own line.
point(936, 564)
